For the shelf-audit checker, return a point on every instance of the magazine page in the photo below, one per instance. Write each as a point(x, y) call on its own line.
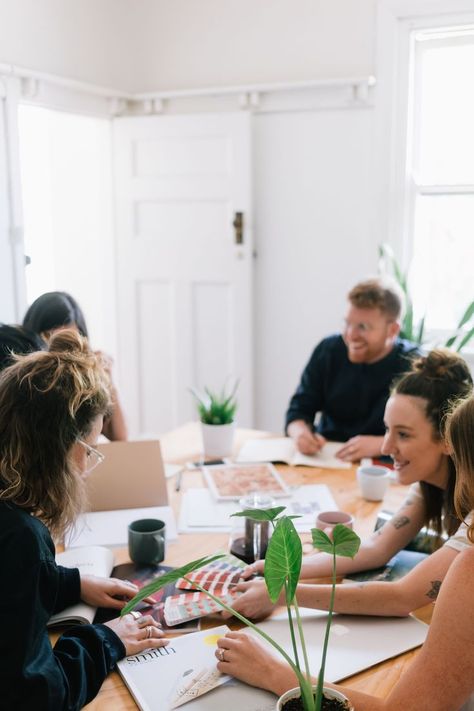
point(185, 672)
point(91, 560)
point(142, 575)
point(325, 458)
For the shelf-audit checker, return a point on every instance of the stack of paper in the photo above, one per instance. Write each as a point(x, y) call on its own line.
point(110, 528)
point(200, 513)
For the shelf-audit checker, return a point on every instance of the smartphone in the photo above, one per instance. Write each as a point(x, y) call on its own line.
point(205, 462)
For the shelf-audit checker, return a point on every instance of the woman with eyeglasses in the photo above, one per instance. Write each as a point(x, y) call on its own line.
point(441, 677)
point(56, 310)
point(52, 405)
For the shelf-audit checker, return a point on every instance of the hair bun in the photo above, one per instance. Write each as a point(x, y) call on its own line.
point(67, 340)
point(442, 363)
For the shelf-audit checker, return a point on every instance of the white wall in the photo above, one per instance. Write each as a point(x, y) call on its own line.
point(146, 45)
point(313, 198)
point(185, 44)
point(89, 40)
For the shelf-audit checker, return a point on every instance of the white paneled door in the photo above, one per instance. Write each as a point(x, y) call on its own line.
point(184, 260)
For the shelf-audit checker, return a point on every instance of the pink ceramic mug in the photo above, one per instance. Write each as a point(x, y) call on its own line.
point(326, 520)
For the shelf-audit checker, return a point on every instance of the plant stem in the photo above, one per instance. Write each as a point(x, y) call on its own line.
point(303, 645)
point(292, 629)
point(319, 689)
point(305, 685)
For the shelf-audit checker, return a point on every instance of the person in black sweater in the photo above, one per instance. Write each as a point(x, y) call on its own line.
point(52, 405)
point(348, 376)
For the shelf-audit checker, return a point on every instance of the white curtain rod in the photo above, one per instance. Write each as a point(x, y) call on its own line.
point(107, 92)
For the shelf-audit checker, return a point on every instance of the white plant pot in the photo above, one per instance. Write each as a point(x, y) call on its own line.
point(328, 693)
point(217, 440)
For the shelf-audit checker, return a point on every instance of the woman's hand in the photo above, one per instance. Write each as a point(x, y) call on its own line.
point(256, 568)
point(241, 655)
point(254, 603)
point(138, 632)
point(103, 592)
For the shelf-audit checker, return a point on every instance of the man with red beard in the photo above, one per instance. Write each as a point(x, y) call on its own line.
point(348, 377)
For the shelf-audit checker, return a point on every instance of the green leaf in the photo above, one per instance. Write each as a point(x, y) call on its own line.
point(465, 340)
point(344, 541)
point(468, 314)
point(283, 560)
point(421, 330)
point(170, 577)
point(261, 514)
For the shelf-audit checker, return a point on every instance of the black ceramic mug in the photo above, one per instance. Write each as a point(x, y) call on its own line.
point(146, 541)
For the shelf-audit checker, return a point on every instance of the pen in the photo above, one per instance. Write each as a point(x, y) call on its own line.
point(179, 477)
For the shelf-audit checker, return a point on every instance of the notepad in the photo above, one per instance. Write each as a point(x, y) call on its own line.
point(283, 449)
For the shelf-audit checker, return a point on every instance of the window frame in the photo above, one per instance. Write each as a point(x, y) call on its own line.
point(396, 191)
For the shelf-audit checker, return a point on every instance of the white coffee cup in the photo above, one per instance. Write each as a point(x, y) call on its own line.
point(373, 481)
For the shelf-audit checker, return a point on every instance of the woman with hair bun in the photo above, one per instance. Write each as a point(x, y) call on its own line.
point(56, 310)
point(414, 420)
point(52, 405)
point(441, 677)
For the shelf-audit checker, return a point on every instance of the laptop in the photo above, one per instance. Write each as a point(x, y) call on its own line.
point(131, 476)
point(356, 642)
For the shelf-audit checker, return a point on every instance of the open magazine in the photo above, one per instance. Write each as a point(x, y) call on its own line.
point(181, 673)
point(283, 449)
point(99, 560)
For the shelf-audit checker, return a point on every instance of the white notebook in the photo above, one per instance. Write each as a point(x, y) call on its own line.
point(283, 449)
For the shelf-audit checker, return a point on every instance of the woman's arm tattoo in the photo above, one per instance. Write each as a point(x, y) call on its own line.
point(434, 590)
point(400, 521)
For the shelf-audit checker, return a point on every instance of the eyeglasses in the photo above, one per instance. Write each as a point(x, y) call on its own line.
point(94, 457)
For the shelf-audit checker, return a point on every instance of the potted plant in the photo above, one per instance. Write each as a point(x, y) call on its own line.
point(282, 571)
point(463, 332)
point(216, 413)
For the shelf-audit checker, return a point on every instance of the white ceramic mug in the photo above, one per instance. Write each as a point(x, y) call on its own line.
point(373, 481)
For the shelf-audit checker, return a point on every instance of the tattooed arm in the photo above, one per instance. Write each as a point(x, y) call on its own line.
point(376, 550)
point(397, 599)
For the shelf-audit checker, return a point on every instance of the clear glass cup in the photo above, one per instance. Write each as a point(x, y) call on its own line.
point(249, 539)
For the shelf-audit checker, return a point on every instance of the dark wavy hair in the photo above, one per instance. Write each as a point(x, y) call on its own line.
point(19, 340)
point(53, 310)
point(48, 400)
point(440, 378)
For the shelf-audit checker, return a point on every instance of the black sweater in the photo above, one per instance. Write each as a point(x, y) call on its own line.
point(33, 675)
point(350, 396)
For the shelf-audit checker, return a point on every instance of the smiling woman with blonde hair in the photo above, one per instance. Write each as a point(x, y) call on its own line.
point(52, 405)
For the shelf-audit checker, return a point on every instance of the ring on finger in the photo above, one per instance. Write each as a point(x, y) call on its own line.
point(149, 632)
point(221, 654)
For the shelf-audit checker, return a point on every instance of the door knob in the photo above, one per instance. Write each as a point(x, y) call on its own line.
point(238, 225)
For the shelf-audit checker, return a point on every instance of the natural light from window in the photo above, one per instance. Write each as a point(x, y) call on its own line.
point(441, 174)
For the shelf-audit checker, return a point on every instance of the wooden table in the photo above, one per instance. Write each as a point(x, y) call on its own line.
point(183, 445)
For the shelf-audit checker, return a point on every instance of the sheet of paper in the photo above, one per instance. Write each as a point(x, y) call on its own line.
point(200, 513)
point(282, 449)
point(355, 642)
point(110, 528)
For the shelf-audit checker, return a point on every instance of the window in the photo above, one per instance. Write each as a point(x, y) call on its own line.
point(439, 182)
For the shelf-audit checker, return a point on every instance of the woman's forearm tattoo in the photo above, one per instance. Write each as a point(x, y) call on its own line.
point(400, 521)
point(433, 592)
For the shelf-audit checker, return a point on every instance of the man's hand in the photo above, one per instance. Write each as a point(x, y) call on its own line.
point(360, 446)
point(103, 592)
point(306, 441)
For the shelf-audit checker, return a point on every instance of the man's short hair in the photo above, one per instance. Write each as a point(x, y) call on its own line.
point(378, 293)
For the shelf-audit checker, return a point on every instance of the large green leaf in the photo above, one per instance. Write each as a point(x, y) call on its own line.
point(283, 560)
point(344, 541)
point(261, 514)
point(465, 340)
point(171, 577)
